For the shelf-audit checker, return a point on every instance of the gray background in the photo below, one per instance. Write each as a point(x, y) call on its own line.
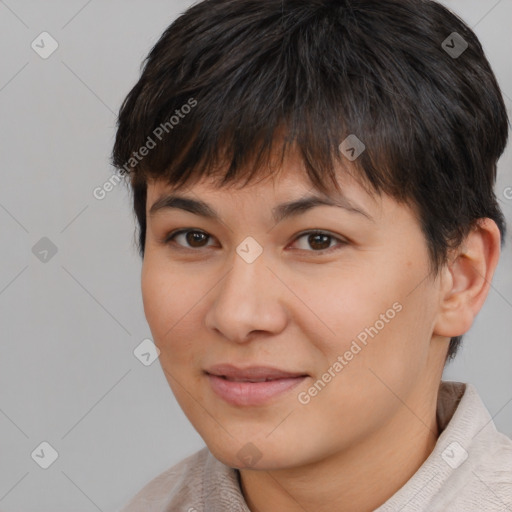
point(68, 374)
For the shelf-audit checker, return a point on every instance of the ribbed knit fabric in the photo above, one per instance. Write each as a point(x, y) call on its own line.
point(469, 470)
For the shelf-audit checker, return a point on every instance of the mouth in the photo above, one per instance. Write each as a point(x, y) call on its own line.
point(248, 380)
point(251, 386)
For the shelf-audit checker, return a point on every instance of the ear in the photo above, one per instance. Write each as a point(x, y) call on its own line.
point(466, 279)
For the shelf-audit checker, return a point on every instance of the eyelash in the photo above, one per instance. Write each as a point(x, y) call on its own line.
point(171, 236)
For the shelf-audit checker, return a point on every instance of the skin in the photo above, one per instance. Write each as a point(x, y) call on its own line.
point(360, 439)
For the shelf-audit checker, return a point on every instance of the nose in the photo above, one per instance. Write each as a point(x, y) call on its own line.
point(247, 301)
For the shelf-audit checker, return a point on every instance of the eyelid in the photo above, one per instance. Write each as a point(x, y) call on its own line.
point(342, 241)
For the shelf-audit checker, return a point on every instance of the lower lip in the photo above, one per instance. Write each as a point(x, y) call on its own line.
point(251, 393)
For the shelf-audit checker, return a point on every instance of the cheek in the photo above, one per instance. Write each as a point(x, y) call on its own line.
point(169, 299)
point(158, 302)
point(370, 315)
point(172, 305)
point(346, 304)
point(381, 357)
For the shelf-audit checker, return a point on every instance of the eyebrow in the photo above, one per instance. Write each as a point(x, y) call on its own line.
point(279, 213)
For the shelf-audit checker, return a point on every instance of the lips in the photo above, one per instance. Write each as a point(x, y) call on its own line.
point(253, 386)
point(251, 374)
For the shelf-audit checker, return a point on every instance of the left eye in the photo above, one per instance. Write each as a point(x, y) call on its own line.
point(320, 241)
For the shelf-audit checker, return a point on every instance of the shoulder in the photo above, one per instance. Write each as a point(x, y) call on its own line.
point(470, 467)
point(491, 484)
point(488, 480)
point(482, 477)
point(175, 487)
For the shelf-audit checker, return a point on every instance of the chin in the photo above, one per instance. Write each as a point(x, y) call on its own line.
point(256, 455)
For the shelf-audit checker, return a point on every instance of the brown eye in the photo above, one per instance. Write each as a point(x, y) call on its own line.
point(319, 241)
point(193, 238)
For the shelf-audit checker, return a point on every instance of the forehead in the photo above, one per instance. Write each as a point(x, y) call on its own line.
point(289, 181)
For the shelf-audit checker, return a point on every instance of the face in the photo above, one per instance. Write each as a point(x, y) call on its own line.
point(334, 304)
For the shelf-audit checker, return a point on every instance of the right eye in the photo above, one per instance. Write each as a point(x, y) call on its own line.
point(193, 237)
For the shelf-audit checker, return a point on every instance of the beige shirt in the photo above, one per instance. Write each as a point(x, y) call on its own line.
point(469, 470)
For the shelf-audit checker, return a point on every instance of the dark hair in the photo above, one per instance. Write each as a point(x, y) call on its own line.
point(227, 76)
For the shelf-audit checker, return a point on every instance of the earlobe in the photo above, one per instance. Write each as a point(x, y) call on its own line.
point(466, 279)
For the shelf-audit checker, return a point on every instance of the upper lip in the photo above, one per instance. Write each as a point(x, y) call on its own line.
point(252, 372)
